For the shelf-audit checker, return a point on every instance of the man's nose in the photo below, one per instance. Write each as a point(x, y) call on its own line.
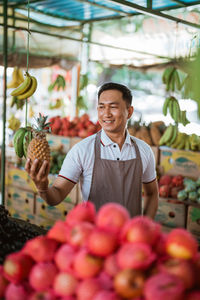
point(107, 111)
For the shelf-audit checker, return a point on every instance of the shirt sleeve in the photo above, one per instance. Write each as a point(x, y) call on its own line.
point(149, 173)
point(71, 168)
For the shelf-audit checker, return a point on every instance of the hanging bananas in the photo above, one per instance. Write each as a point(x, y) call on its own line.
point(17, 78)
point(16, 102)
point(21, 140)
point(26, 89)
point(171, 104)
point(172, 80)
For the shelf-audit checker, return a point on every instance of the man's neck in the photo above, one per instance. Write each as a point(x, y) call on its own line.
point(118, 138)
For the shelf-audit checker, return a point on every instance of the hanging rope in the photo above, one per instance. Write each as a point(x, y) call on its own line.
point(27, 63)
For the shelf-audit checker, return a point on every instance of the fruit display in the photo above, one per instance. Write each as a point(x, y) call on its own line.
point(173, 138)
point(78, 126)
point(38, 147)
point(104, 255)
point(151, 133)
point(17, 78)
point(190, 190)
point(169, 186)
point(26, 89)
point(13, 235)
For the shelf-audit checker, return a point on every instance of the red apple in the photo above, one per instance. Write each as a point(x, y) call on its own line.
point(17, 266)
point(86, 265)
point(59, 231)
point(129, 283)
point(44, 295)
point(42, 275)
point(164, 287)
point(105, 281)
point(165, 180)
point(164, 191)
point(41, 248)
point(111, 266)
point(87, 289)
point(65, 284)
point(181, 244)
point(183, 269)
point(112, 217)
point(101, 242)
point(3, 283)
point(135, 256)
point(16, 292)
point(79, 233)
point(64, 258)
point(106, 295)
point(82, 212)
point(141, 229)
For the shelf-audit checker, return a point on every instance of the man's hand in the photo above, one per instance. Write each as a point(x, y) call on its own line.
point(39, 177)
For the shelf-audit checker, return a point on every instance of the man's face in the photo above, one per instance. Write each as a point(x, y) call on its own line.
point(113, 112)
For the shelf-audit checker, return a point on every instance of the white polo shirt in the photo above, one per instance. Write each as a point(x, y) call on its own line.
point(79, 161)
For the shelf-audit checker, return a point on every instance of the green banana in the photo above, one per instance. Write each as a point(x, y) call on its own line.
point(183, 119)
point(174, 135)
point(176, 110)
point(24, 86)
point(26, 140)
point(165, 106)
point(166, 135)
point(18, 141)
point(166, 74)
point(31, 90)
point(177, 140)
point(181, 144)
point(171, 107)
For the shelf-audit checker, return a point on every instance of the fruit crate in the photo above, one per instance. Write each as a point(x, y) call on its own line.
point(175, 162)
point(171, 213)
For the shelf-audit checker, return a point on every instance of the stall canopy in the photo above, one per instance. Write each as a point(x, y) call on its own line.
point(60, 28)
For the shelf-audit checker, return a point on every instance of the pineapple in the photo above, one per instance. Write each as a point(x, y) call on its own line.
point(39, 147)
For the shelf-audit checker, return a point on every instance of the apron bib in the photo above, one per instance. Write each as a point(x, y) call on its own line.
point(117, 181)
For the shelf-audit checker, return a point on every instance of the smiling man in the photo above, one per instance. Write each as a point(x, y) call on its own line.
point(111, 165)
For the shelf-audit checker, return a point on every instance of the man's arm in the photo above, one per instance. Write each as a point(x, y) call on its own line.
point(52, 195)
point(151, 197)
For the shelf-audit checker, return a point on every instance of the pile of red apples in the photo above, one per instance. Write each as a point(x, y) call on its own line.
point(104, 255)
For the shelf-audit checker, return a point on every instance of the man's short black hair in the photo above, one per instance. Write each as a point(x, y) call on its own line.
point(126, 93)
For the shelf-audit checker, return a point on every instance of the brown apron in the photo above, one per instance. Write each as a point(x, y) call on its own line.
point(117, 181)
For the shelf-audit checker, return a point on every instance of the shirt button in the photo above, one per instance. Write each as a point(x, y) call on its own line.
point(118, 158)
point(114, 146)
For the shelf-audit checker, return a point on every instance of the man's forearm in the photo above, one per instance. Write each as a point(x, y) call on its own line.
point(50, 195)
point(150, 205)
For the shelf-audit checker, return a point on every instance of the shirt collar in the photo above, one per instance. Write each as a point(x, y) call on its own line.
point(106, 141)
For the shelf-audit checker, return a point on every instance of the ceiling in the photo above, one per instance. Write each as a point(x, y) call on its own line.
point(95, 10)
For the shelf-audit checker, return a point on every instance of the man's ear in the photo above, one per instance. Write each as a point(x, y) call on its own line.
point(130, 111)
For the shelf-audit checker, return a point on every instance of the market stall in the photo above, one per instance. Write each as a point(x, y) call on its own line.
point(71, 251)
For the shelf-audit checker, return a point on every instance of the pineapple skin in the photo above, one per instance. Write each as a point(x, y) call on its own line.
point(39, 149)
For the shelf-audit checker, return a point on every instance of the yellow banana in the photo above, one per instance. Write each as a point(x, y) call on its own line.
point(24, 86)
point(166, 135)
point(20, 75)
point(187, 143)
point(177, 140)
point(173, 137)
point(14, 82)
point(31, 90)
point(181, 144)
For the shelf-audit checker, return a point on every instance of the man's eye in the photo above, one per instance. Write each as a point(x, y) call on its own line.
point(113, 106)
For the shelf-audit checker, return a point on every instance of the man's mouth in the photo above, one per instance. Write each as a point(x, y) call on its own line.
point(108, 121)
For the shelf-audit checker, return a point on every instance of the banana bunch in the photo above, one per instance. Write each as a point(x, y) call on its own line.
point(21, 140)
point(58, 84)
point(16, 102)
point(169, 135)
point(172, 80)
point(181, 142)
point(17, 78)
point(26, 89)
point(13, 123)
point(194, 141)
point(172, 104)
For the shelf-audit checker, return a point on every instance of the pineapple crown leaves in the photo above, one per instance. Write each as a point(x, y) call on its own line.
point(42, 125)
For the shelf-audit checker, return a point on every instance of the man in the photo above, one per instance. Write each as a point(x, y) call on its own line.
point(110, 165)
